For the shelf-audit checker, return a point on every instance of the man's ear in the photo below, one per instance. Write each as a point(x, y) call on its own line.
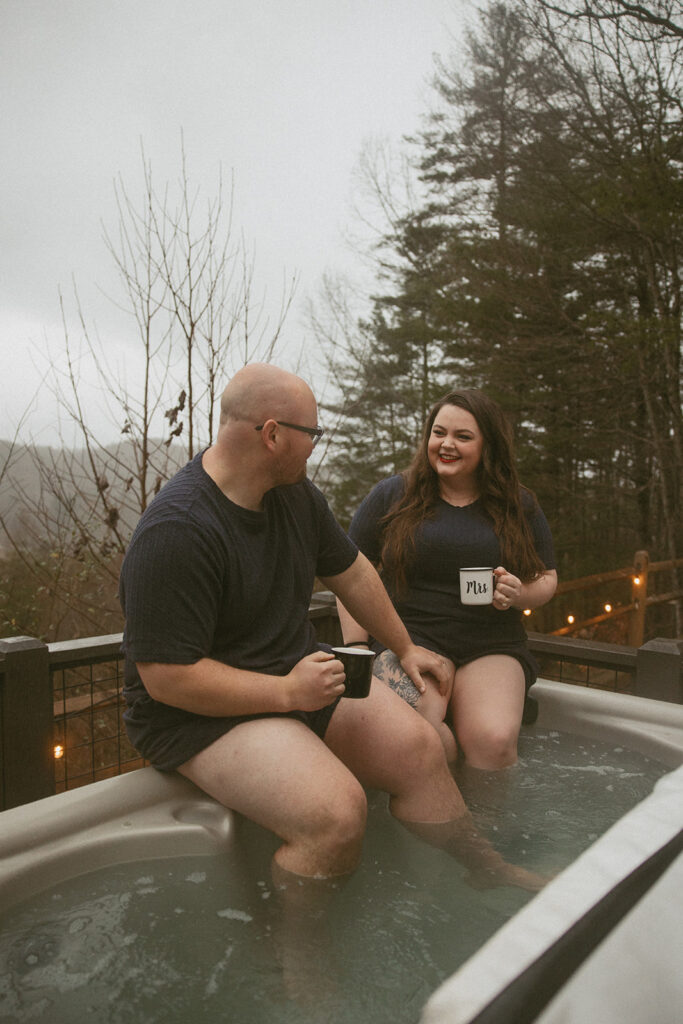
point(270, 434)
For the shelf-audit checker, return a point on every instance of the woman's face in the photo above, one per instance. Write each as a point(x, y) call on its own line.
point(454, 447)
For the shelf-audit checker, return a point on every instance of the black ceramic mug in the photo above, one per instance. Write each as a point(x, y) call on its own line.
point(357, 664)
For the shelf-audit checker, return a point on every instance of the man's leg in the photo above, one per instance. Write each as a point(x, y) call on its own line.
point(388, 747)
point(279, 774)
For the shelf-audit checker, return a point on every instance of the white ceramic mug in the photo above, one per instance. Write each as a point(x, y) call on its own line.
point(477, 585)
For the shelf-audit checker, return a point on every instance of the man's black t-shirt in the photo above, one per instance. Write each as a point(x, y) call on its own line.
point(204, 577)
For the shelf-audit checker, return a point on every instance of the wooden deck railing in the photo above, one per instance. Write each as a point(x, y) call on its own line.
point(576, 600)
point(61, 703)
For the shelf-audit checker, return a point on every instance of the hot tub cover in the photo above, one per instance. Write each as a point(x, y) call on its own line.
point(602, 942)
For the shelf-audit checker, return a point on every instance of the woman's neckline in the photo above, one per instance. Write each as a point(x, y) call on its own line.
point(459, 502)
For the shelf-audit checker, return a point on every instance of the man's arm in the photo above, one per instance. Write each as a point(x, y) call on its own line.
point(209, 687)
point(364, 598)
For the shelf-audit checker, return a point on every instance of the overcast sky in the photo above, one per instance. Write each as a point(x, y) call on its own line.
point(282, 94)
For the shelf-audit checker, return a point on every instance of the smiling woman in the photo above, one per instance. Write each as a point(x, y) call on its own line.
point(454, 452)
point(460, 504)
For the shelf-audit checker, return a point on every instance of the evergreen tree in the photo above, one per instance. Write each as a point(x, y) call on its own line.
point(542, 266)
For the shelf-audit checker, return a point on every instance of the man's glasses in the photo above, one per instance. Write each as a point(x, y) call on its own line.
point(315, 433)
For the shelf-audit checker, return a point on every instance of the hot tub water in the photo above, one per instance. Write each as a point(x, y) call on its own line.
point(200, 939)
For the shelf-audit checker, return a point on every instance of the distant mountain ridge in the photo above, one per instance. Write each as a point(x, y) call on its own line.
point(45, 492)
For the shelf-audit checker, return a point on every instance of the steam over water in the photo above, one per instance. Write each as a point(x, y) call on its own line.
point(204, 939)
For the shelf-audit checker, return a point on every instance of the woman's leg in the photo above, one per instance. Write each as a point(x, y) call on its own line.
point(486, 710)
point(431, 704)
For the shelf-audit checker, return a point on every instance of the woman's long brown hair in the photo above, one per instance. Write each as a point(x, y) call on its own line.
point(500, 494)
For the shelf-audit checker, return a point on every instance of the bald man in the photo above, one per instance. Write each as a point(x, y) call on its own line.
point(225, 682)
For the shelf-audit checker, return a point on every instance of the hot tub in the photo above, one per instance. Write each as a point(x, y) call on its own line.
point(534, 963)
point(603, 942)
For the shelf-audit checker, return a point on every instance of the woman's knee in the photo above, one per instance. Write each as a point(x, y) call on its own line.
point(490, 745)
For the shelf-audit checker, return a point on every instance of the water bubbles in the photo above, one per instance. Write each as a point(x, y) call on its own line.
point(211, 987)
point(78, 924)
point(34, 950)
point(234, 915)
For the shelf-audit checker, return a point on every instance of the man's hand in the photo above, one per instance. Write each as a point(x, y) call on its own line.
point(418, 660)
point(314, 682)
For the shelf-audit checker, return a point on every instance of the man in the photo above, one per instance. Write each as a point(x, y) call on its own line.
point(225, 682)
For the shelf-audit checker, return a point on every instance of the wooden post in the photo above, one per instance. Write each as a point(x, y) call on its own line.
point(323, 614)
point(26, 722)
point(658, 670)
point(636, 630)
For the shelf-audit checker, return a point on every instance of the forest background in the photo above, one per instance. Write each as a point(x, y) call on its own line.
point(527, 242)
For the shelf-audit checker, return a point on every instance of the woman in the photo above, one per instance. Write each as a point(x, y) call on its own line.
point(460, 504)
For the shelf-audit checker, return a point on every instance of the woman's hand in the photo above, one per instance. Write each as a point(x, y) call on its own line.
point(508, 592)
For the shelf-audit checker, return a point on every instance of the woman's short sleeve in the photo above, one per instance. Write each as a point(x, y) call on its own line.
point(366, 528)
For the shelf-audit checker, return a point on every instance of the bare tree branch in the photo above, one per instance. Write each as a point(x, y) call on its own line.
point(615, 10)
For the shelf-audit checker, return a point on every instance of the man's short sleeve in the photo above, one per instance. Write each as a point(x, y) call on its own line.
point(170, 593)
point(336, 551)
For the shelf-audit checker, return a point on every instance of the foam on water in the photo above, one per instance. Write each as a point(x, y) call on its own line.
point(204, 938)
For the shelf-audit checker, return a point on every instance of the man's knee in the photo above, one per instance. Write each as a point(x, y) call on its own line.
point(341, 819)
point(423, 750)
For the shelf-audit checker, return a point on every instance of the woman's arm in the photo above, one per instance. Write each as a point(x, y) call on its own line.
point(352, 631)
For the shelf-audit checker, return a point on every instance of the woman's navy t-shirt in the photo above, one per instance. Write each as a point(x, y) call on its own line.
point(452, 539)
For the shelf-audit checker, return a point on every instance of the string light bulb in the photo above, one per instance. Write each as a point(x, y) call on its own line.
point(58, 751)
point(636, 580)
point(570, 619)
point(607, 607)
point(527, 611)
